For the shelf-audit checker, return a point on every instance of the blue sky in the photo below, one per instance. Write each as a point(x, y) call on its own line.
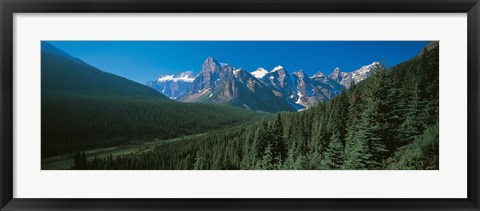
point(142, 61)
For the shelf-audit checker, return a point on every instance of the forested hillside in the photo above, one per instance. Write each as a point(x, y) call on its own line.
point(388, 121)
point(85, 108)
point(71, 123)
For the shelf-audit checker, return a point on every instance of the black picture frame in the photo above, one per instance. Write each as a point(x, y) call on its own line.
point(10, 7)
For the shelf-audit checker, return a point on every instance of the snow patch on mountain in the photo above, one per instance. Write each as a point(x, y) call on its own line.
point(299, 101)
point(346, 78)
point(236, 71)
point(173, 85)
point(277, 68)
point(259, 73)
point(184, 76)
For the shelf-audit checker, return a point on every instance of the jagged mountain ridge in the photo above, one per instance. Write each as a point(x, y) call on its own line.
point(222, 83)
point(346, 78)
point(260, 90)
point(174, 85)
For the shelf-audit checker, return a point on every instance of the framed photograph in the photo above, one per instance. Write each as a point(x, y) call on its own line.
point(228, 105)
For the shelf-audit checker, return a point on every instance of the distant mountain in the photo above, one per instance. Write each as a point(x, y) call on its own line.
point(282, 84)
point(212, 75)
point(346, 78)
point(260, 90)
point(328, 84)
point(315, 89)
point(298, 89)
point(224, 84)
point(259, 73)
point(174, 85)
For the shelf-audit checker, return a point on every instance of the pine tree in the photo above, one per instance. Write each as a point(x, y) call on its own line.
point(319, 136)
point(334, 154)
point(268, 161)
point(357, 153)
point(315, 145)
point(371, 124)
point(277, 142)
point(414, 116)
point(370, 132)
point(260, 142)
point(390, 112)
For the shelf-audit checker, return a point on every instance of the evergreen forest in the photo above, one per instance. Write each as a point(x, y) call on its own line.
point(388, 121)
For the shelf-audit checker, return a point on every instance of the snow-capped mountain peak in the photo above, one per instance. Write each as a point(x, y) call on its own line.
point(318, 75)
point(368, 68)
point(259, 73)
point(346, 78)
point(277, 68)
point(187, 76)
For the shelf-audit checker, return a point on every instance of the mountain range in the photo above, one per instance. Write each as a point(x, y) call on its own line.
point(260, 90)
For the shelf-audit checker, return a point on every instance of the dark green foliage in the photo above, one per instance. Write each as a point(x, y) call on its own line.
point(297, 155)
point(87, 122)
point(277, 142)
point(260, 143)
point(422, 153)
point(334, 154)
point(388, 121)
point(216, 150)
point(85, 108)
point(415, 114)
point(268, 147)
